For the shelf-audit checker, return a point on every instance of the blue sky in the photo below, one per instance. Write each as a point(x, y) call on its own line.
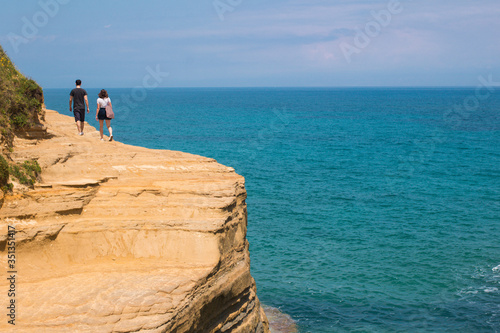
point(233, 43)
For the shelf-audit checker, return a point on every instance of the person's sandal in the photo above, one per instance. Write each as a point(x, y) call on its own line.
point(111, 138)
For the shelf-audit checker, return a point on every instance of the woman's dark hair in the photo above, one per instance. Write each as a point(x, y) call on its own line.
point(103, 94)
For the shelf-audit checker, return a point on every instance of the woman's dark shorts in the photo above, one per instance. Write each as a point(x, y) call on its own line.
point(102, 114)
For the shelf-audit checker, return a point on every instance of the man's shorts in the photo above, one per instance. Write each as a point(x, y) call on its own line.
point(79, 115)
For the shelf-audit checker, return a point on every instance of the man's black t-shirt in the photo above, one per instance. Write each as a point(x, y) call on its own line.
point(78, 98)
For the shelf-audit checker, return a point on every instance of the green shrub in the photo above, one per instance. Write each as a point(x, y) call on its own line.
point(4, 171)
point(21, 100)
point(15, 171)
point(8, 187)
point(27, 172)
point(20, 120)
point(32, 168)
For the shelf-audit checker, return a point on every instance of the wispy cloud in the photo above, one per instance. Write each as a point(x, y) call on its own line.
point(288, 41)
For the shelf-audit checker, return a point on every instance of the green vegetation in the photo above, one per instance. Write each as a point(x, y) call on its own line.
point(26, 172)
point(21, 100)
point(4, 173)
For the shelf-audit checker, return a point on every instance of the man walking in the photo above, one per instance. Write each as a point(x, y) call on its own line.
point(78, 97)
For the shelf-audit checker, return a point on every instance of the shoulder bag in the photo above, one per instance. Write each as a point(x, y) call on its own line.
point(109, 111)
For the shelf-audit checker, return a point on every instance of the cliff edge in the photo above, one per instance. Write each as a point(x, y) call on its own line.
point(117, 238)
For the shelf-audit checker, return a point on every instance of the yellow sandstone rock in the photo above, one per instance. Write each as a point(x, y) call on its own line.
point(117, 238)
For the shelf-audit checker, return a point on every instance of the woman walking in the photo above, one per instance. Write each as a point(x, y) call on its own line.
point(102, 102)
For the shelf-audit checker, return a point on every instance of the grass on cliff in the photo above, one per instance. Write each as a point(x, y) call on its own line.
point(4, 174)
point(21, 100)
point(25, 173)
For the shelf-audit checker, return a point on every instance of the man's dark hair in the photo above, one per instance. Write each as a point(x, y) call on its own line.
point(78, 82)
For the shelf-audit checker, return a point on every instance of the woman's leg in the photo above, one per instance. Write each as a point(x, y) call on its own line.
point(108, 124)
point(101, 123)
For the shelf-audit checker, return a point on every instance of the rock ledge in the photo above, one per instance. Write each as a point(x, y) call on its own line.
point(117, 238)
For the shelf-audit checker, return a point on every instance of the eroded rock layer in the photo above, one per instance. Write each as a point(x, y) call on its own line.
point(117, 238)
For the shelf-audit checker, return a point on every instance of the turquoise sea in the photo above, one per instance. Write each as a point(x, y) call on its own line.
point(370, 209)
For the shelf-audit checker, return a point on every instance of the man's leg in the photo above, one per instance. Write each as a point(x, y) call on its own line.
point(79, 118)
point(82, 120)
point(79, 126)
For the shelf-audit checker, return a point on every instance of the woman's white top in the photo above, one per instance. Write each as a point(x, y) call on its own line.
point(103, 102)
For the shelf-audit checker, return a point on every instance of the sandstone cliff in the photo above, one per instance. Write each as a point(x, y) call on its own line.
point(116, 238)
